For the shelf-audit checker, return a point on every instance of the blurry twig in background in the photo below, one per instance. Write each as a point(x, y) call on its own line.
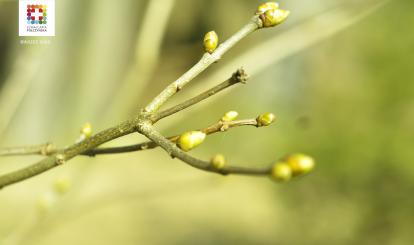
point(16, 87)
point(307, 34)
point(35, 225)
point(147, 51)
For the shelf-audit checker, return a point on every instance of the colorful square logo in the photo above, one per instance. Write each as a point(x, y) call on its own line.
point(36, 18)
point(36, 14)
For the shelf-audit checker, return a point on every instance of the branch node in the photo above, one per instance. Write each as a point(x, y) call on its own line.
point(178, 87)
point(225, 127)
point(171, 154)
point(60, 159)
point(240, 76)
point(47, 149)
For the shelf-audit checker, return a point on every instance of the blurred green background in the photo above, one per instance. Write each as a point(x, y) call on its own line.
point(338, 75)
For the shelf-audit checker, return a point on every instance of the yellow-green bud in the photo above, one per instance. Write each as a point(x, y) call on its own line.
point(190, 140)
point(210, 41)
point(218, 161)
point(62, 185)
point(300, 163)
point(266, 6)
point(230, 116)
point(273, 17)
point(281, 172)
point(265, 119)
point(86, 130)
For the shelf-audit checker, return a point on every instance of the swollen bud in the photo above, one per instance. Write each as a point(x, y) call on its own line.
point(190, 140)
point(210, 41)
point(218, 161)
point(274, 17)
point(267, 6)
point(300, 163)
point(265, 119)
point(281, 172)
point(230, 116)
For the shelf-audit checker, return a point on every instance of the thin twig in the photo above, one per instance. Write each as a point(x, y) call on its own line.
point(149, 131)
point(238, 77)
point(49, 149)
point(43, 149)
point(218, 127)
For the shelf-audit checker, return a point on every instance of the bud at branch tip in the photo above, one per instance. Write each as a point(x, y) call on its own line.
point(271, 15)
point(265, 119)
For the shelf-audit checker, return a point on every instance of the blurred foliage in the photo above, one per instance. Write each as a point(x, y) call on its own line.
point(347, 101)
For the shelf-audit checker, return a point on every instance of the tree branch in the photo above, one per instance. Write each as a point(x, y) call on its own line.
point(238, 77)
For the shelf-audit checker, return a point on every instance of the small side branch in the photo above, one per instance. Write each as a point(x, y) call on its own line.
point(149, 131)
point(239, 76)
point(214, 128)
